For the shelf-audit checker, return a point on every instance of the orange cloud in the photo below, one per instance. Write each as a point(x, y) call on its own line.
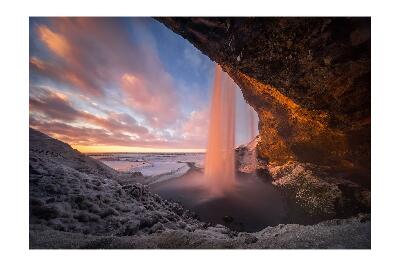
point(97, 54)
point(54, 41)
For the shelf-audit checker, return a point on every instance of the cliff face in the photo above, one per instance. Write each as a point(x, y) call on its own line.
point(309, 79)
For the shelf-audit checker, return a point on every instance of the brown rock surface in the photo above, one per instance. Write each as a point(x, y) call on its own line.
point(309, 79)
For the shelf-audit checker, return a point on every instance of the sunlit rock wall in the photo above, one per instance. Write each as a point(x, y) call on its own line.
point(307, 78)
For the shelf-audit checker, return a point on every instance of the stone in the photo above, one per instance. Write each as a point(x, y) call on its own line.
point(227, 219)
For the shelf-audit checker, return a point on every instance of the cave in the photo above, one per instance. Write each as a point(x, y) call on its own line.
point(309, 80)
point(303, 182)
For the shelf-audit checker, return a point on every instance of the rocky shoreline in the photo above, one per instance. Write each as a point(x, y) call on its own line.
point(320, 191)
point(78, 202)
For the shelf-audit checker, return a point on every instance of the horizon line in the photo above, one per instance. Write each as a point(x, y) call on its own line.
point(127, 149)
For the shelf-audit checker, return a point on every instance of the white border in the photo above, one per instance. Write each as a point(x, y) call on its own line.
point(14, 130)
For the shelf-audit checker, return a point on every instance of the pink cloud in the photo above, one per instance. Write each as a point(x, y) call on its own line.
point(65, 75)
point(156, 99)
point(195, 128)
point(75, 135)
point(57, 106)
point(53, 105)
point(53, 113)
point(94, 54)
point(96, 58)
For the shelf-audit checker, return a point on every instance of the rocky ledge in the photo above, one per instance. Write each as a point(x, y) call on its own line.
point(320, 191)
point(78, 202)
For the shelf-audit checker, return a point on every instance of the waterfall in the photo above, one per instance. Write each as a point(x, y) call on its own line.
point(220, 157)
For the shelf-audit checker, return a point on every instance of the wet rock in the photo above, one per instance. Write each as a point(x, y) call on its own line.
point(312, 188)
point(227, 219)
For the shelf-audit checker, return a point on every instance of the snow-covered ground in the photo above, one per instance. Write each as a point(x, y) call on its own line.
point(78, 202)
point(157, 166)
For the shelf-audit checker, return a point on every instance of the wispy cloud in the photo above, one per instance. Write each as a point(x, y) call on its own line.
point(53, 112)
point(195, 128)
point(56, 106)
point(94, 54)
point(125, 94)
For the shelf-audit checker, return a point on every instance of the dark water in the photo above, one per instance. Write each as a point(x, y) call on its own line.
point(253, 205)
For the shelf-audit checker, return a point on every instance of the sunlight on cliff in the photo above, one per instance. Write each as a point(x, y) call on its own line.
point(291, 132)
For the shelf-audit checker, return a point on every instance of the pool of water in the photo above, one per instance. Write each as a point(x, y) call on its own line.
point(252, 205)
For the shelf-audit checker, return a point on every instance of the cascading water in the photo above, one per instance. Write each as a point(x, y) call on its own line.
point(220, 157)
point(222, 191)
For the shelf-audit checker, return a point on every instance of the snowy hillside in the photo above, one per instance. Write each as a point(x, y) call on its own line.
point(78, 202)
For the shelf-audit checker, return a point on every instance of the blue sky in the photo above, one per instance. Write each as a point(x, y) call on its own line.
point(121, 84)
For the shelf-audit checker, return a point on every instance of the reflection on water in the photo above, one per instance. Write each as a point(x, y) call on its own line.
point(250, 206)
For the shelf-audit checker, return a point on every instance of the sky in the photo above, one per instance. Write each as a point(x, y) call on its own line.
point(121, 85)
